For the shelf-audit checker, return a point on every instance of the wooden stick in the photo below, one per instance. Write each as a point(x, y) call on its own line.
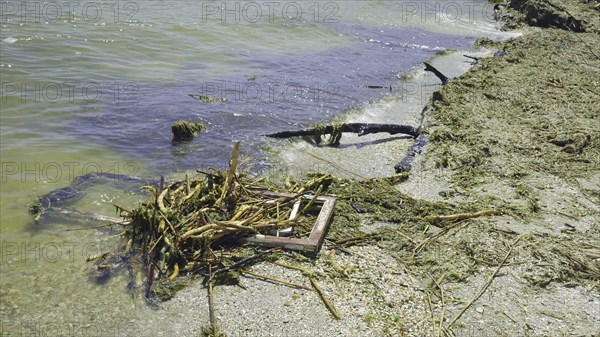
point(487, 284)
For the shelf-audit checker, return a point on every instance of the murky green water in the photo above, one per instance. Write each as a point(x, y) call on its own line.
point(94, 87)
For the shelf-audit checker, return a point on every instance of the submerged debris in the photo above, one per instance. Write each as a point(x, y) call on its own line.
point(208, 99)
point(183, 130)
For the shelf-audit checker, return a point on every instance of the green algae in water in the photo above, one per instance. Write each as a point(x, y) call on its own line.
point(208, 99)
point(184, 130)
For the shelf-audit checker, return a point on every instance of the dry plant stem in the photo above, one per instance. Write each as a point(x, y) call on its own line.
point(272, 279)
point(243, 261)
point(354, 239)
point(91, 227)
point(312, 200)
point(439, 333)
point(304, 271)
point(458, 225)
point(328, 304)
point(230, 173)
point(175, 272)
point(462, 216)
point(326, 301)
point(161, 201)
point(211, 304)
point(336, 165)
point(487, 284)
point(587, 45)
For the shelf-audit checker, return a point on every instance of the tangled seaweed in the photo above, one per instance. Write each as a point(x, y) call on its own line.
point(183, 130)
point(185, 224)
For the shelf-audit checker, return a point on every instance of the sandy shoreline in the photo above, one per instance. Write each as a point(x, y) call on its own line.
point(517, 133)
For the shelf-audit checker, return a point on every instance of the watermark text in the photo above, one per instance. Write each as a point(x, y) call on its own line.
point(52, 172)
point(52, 12)
point(270, 11)
point(54, 92)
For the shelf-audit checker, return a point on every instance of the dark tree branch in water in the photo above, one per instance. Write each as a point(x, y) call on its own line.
point(442, 77)
point(360, 128)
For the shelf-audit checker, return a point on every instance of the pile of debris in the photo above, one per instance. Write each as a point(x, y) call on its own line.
point(186, 225)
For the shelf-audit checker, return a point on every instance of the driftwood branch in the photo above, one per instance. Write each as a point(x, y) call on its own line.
point(430, 68)
point(360, 128)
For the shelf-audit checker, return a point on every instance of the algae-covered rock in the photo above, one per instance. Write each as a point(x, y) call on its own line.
point(183, 130)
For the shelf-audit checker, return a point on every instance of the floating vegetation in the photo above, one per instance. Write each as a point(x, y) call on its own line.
point(183, 130)
point(35, 209)
point(208, 99)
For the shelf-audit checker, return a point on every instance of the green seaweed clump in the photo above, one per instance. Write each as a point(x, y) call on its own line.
point(208, 99)
point(36, 210)
point(334, 137)
point(183, 130)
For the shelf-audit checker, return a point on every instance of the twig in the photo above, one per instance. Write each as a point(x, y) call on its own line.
point(587, 45)
point(326, 301)
point(462, 216)
point(230, 173)
point(312, 200)
point(91, 227)
point(211, 303)
point(304, 271)
point(458, 225)
point(241, 262)
point(443, 305)
point(353, 239)
point(437, 73)
point(487, 284)
point(512, 319)
point(328, 304)
point(336, 165)
point(430, 306)
point(244, 271)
